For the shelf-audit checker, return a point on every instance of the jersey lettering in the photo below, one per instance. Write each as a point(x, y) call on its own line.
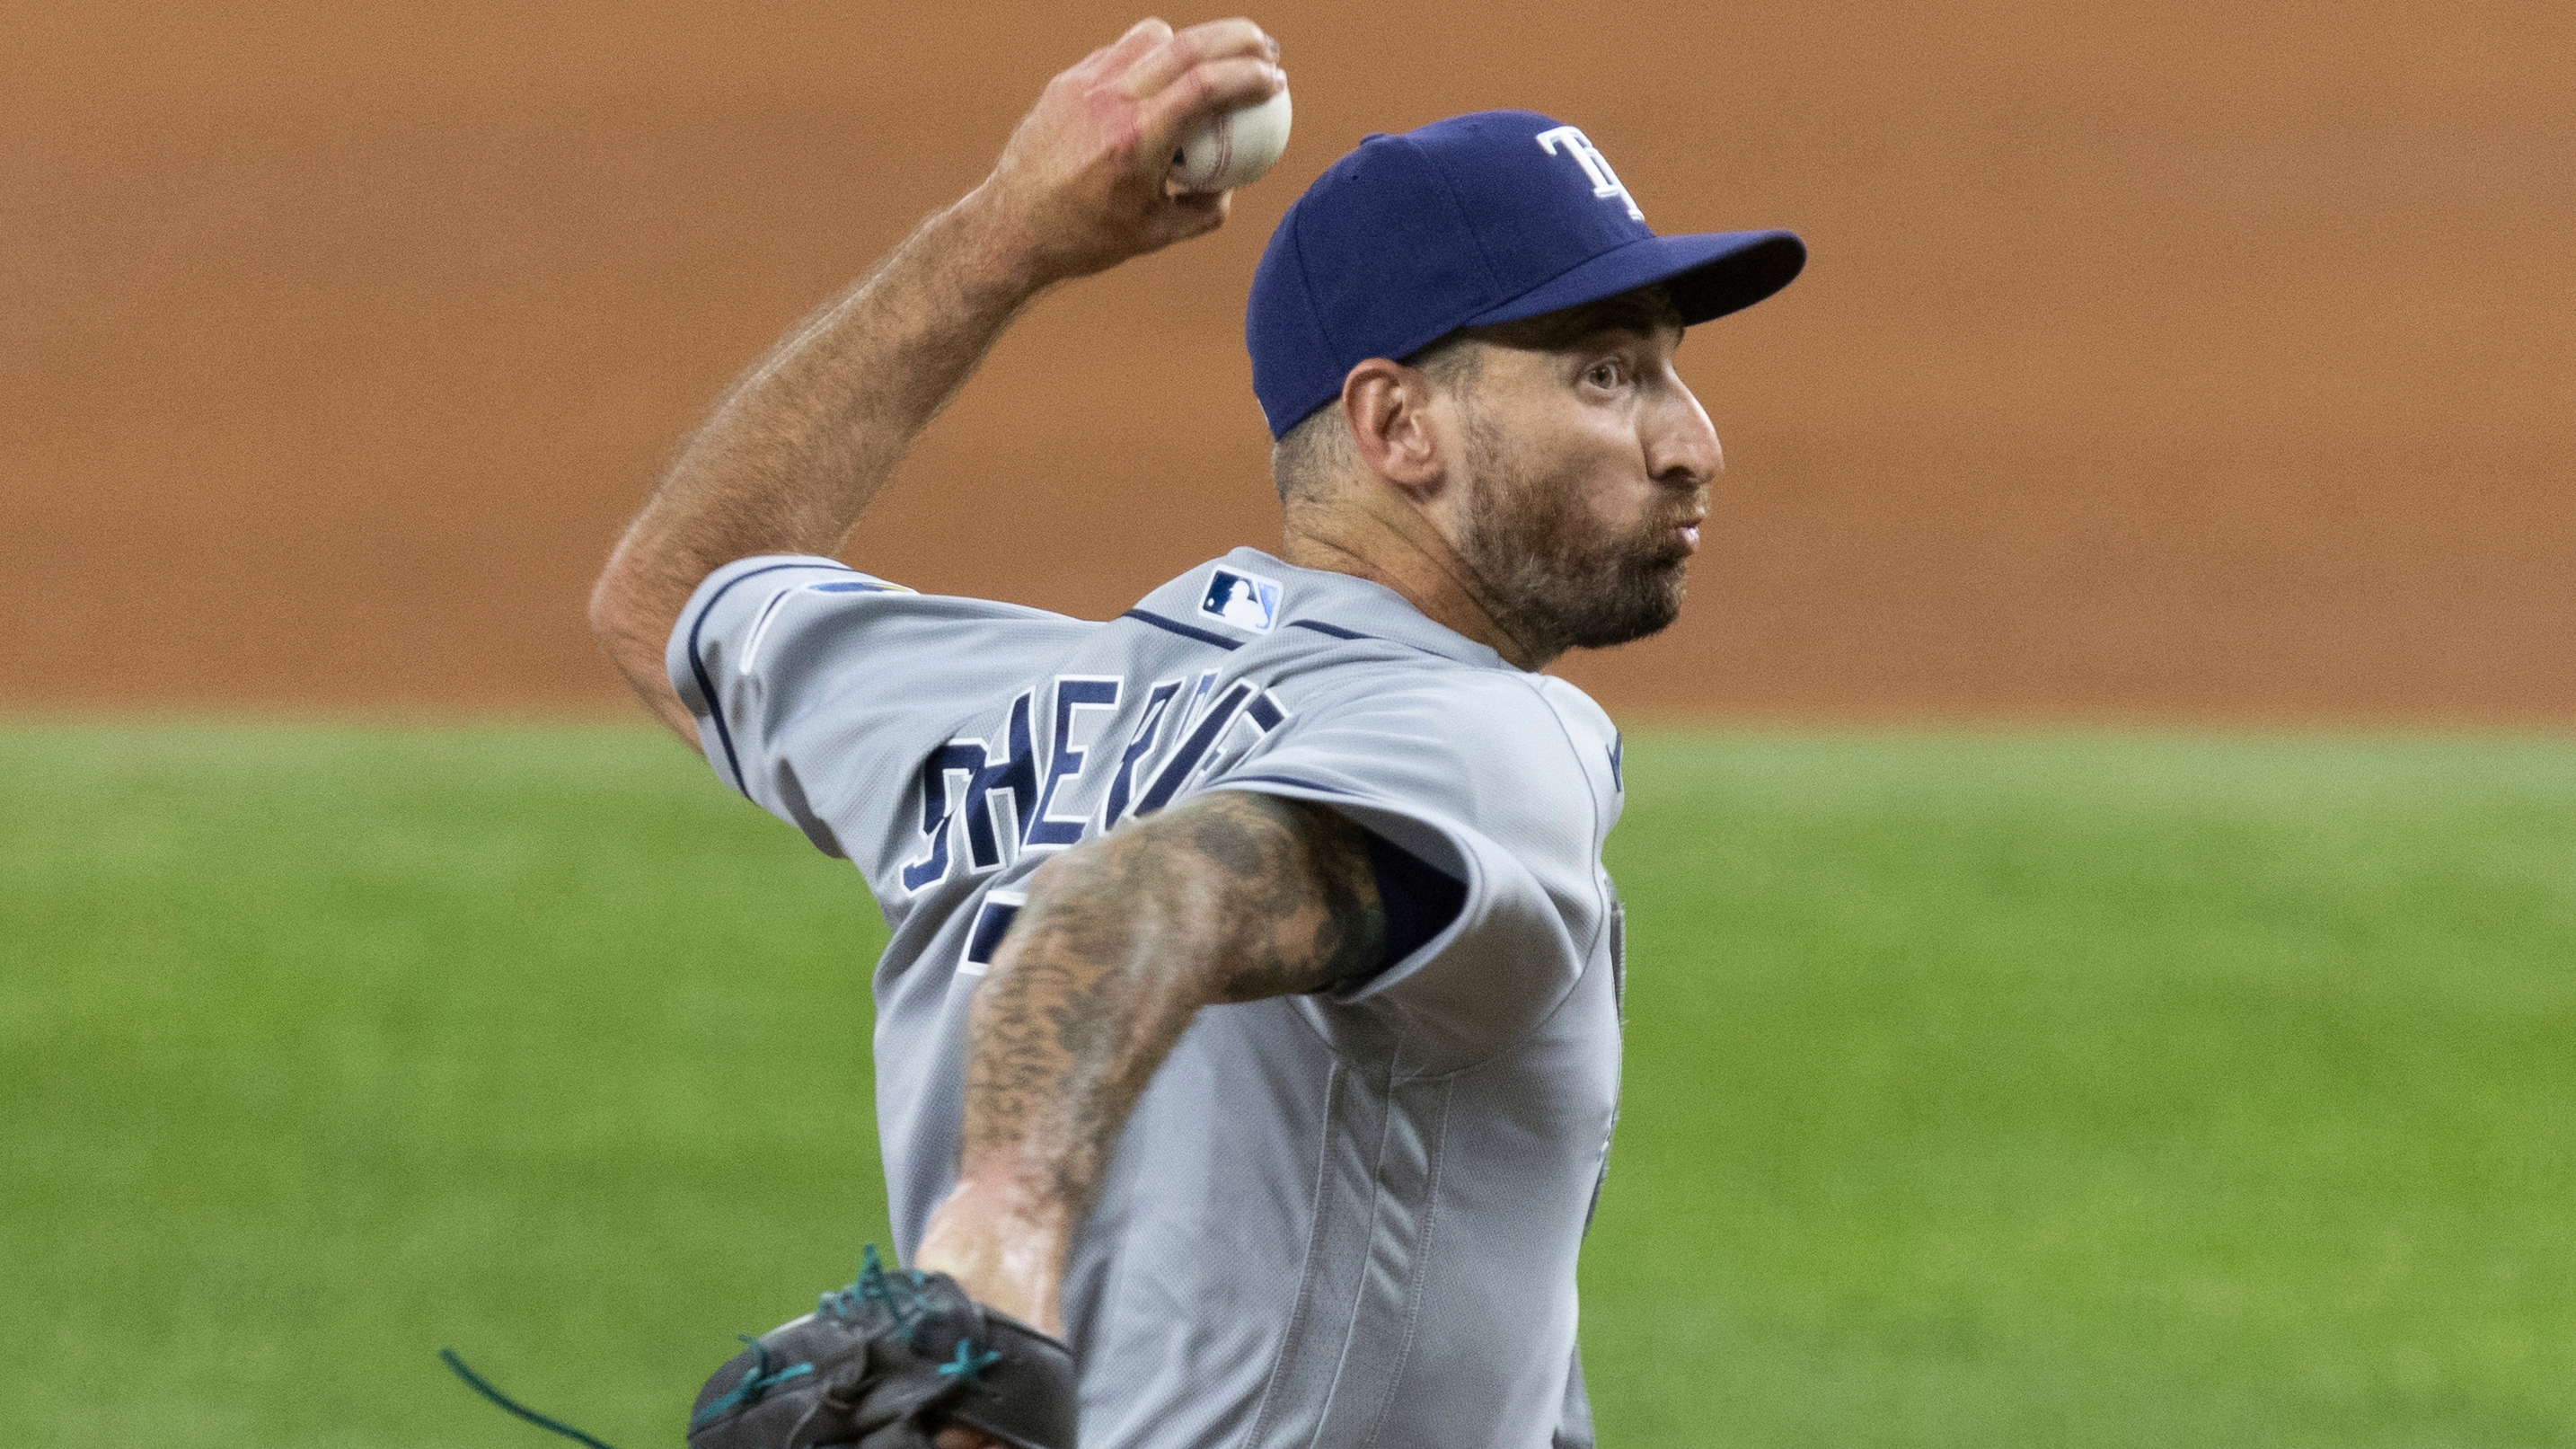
point(1199, 696)
point(1199, 753)
point(992, 922)
point(957, 757)
point(967, 780)
point(1072, 693)
point(1014, 774)
point(1148, 734)
point(1261, 714)
point(1192, 750)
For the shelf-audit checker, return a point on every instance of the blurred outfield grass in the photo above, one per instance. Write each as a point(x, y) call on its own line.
point(2079, 1090)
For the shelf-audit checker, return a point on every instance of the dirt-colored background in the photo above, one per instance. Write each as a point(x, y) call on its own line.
point(2195, 359)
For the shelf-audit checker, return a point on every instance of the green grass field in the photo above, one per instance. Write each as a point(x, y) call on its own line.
point(1996, 1091)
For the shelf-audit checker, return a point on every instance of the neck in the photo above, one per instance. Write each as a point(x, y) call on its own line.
point(1393, 544)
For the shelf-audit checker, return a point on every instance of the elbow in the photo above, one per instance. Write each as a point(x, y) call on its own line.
point(619, 620)
point(1071, 885)
point(633, 627)
point(611, 605)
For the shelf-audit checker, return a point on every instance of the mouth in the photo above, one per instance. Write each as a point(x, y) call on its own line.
point(1684, 534)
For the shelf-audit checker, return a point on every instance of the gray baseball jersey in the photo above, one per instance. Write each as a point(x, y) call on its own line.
point(1340, 1219)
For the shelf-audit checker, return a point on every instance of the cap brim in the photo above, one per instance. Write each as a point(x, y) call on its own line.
point(1708, 273)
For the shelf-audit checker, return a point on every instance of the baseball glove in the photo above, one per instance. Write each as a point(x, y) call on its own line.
point(883, 1364)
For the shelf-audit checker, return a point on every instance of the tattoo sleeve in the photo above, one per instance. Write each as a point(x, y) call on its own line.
point(1228, 897)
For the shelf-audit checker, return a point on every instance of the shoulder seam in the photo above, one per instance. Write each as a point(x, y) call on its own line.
point(1336, 631)
point(1186, 631)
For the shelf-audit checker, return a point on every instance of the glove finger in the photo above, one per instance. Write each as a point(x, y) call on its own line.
point(1028, 1397)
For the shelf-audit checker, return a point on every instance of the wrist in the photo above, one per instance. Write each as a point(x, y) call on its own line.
point(1001, 251)
point(1005, 1248)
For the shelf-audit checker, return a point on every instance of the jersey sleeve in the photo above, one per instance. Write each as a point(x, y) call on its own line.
point(818, 689)
point(1486, 782)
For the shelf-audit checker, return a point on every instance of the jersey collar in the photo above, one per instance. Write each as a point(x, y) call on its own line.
point(1338, 603)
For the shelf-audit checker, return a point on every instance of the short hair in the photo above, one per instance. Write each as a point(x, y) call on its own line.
point(1310, 456)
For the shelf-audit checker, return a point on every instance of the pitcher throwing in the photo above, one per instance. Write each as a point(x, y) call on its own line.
point(1251, 1019)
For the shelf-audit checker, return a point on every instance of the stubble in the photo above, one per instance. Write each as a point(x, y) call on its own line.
point(1560, 577)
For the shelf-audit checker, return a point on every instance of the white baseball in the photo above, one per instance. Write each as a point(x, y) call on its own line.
point(1234, 149)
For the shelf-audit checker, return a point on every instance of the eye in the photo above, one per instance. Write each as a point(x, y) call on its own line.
point(1609, 372)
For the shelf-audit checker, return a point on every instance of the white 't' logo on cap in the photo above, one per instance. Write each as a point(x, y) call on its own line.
point(1605, 182)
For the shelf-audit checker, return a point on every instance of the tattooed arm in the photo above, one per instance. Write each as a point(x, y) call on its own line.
point(1228, 897)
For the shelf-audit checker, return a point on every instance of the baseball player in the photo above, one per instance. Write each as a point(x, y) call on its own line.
point(1251, 1016)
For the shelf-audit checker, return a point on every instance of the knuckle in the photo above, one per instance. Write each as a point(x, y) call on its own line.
point(1242, 37)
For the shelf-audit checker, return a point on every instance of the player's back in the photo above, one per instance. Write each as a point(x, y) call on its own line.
point(1341, 1218)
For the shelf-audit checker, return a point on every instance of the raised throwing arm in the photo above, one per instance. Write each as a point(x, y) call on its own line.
point(804, 440)
point(1226, 897)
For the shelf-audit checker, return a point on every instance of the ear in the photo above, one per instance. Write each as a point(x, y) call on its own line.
point(1388, 407)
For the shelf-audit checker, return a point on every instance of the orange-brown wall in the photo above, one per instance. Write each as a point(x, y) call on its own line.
point(2190, 359)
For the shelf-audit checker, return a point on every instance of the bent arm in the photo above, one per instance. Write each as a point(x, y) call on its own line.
point(803, 442)
point(1229, 897)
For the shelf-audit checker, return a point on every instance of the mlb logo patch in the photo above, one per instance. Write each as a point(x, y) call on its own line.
point(1247, 601)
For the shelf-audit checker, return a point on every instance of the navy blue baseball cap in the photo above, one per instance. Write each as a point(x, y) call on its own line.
point(1478, 219)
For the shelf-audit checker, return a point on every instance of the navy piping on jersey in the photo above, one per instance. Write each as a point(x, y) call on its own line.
point(707, 686)
point(1336, 630)
point(1333, 631)
point(1225, 780)
point(1184, 630)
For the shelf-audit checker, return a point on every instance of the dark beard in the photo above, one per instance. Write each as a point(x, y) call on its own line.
point(1559, 578)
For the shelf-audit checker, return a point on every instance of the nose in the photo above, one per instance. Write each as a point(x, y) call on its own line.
point(1682, 451)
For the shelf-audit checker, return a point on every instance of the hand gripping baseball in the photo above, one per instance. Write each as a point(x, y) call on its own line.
point(884, 1364)
point(1084, 183)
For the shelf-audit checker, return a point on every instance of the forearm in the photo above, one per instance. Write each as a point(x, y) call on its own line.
point(1083, 1002)
point(1233, 897)
point(805, 439)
